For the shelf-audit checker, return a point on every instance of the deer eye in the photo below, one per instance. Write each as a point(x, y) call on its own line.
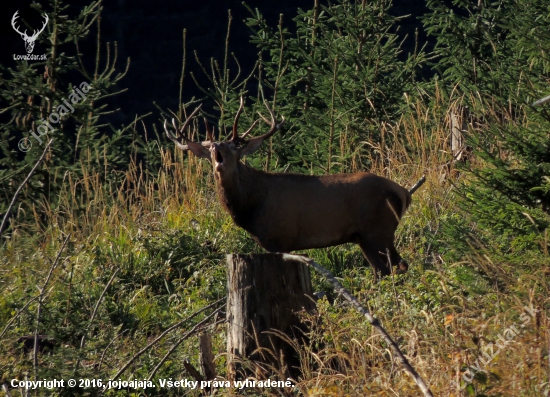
point(219, 157)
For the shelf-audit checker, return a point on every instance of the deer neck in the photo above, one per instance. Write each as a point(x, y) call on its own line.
point(243, 195)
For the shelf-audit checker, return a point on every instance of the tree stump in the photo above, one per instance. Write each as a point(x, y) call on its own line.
point(264, 295)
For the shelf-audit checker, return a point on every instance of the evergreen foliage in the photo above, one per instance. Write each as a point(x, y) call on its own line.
point(493, 57)
point(338, 79)
point(40, 101)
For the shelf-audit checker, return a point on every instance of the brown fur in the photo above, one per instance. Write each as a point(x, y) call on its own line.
point(288, 212)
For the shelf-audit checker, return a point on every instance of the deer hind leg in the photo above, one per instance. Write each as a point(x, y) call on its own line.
point(400, 265)
point(382, 257)
point(372, 252)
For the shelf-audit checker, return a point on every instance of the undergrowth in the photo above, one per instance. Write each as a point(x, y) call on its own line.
point(164, 241)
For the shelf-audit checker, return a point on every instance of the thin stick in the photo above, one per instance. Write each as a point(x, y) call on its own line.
point(541, 101)
point(338, 288)
point(97, 306)
point(6, 390)
point(107, 348)
point(417, 184)
point(41, 299)
point(18, 314)
point(20, 188)
point(170, 328)
point(83, 340)
point(184, 337)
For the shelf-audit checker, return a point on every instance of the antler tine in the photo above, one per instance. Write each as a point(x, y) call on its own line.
point(185, 125)
point(209, 135)
point(176, 128)
point(172, 137)
point(235, 136)
point(274, 126)
point(254, 124)
point(189, 119)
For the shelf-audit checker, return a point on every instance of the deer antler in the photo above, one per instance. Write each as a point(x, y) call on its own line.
point(235, 135)
point(274, 126)
point(35, 35)
point(175, 139)
point(13, 19)
point(209, 132)
point(24, 34)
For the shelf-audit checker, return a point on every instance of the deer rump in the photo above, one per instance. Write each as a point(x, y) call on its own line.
point(291, 212)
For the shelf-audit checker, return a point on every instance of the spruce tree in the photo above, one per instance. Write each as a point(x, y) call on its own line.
point(338, 77)
point(494, 57)
point(63, 98)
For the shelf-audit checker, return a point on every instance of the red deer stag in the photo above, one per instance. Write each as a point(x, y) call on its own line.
point(286, 212)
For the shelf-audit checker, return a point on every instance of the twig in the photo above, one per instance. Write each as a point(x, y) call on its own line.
point(41, 299)
point(107, 348)
point(184, 337)
point(417, 184)
point(97, 306)
point(6, 390)
point(170, 328)
point(338, 288)
point(20, 188)
point(192, 370)
point(83, 340)
point(541, 101)
point(17, 314)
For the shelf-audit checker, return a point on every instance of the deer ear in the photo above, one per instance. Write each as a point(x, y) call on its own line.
point(199, 150)
point(251, 147)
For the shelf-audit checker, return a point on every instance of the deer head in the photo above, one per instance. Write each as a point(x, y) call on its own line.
point(224, 156)
point(29, 40)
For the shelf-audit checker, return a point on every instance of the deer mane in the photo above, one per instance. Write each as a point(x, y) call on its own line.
point(245, 196)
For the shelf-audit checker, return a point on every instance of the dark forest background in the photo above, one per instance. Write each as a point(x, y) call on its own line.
point(150, 33)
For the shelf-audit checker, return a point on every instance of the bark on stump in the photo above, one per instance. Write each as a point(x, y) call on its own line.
point(264, 294)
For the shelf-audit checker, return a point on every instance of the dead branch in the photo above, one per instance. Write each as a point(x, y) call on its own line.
point(20, 188)
point(420, 182)
point(41, 299)
point(18, 314)
point(83, 340)
point(192, 331)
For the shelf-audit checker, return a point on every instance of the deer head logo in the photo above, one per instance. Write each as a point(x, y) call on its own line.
point(29, 40)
